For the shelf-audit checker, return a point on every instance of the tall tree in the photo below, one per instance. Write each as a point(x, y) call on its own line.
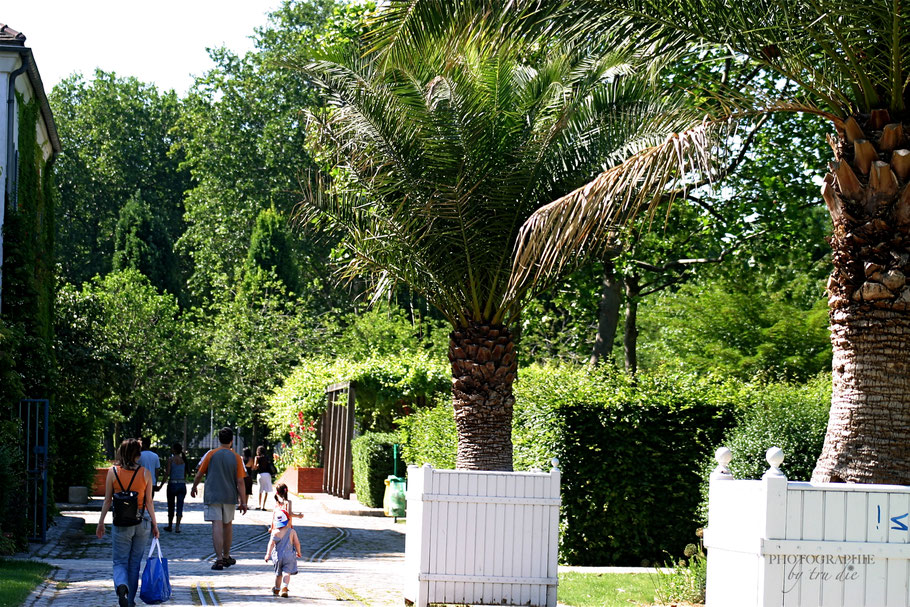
point(851, 66)
point(243, 136)
point(438, 159)
point(117, 134)
point(141, 242)
point(271, 251)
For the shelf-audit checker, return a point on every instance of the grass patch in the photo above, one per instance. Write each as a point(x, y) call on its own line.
point(606, 589)
point(18, 579)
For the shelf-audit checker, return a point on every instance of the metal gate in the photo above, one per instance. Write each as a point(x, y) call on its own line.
point(34, 415)
point(336, 432)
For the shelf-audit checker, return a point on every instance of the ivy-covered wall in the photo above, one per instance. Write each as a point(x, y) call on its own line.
point(27, 364)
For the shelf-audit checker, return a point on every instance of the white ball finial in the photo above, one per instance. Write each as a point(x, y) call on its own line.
point(775, 457)
point(554, 462)
point(723, 456)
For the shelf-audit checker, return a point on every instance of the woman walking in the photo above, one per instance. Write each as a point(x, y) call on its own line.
point(134, 518)
point(248, 479)
point(175, 477)
point(263, 465)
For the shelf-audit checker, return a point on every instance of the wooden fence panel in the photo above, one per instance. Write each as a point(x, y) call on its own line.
point(482, 538)
point(336, 427)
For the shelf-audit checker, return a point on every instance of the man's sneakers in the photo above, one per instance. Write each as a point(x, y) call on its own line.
point(122, 599)
point(217, 566)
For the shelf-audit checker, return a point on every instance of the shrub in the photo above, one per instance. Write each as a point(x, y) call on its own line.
point(629, 453)
point(386, 388)
point(13, 524)
point(428, 436)
point(790, 416)
point(373, 462)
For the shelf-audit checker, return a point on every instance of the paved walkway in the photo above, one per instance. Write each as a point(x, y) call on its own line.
point(355, 559)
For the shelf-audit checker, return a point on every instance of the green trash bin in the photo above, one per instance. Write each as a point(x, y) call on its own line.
point(394, 502)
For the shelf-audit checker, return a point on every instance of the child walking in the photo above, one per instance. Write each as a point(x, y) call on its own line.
point(284, 503)
point(285, 545)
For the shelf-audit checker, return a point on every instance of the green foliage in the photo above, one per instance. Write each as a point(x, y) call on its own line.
point(13, 524)
point(243, 140)
point(630, 453)
point(142, 243)
point(716, 327)
point(386, 389)
point(373, 463)
point(790, 416)
point(428, 436)
point(270, 250)
point(687, 579)
point(116, 135)
point(139, 345)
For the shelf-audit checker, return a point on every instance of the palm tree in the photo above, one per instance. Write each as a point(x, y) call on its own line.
point(439, 157)
point(851, 64)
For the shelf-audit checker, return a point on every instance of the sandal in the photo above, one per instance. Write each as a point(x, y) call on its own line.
point(228, 561)
point(218, 566)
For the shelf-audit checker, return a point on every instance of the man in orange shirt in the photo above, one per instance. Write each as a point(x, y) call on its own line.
point(224, 489)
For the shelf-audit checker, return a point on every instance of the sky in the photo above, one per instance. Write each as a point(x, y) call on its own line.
point(162, 42)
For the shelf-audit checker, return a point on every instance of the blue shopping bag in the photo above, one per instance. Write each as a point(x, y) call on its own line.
point(156, 583)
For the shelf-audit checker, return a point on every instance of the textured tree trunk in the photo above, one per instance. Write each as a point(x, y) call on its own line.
point(868, 437)
point(630, 331)
point(608, 315)
point(483, 370)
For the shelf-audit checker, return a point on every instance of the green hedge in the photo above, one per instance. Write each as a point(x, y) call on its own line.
point(373, 462)
point(634, 455)
point(630, 454)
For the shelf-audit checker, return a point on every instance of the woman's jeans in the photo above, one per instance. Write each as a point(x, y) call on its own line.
point(176, 492)
point(129, 549)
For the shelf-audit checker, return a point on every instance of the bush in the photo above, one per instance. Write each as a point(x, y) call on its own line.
point(790, 416)
point(386, 388)
point(373, 462)
point(629, 453)
point(13, 524)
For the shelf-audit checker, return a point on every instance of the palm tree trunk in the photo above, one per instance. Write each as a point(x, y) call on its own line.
point(868, 436)
point(483, 370)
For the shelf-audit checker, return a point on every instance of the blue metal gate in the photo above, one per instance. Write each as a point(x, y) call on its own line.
point(34, 415)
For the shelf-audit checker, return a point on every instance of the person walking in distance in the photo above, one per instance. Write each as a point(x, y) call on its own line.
point(265, 468)
point(248, 466)
point(175, 477)
point(150, 461)
point(224, 489)
point(128, 489)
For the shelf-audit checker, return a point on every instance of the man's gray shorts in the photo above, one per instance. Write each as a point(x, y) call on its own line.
point(220, 512)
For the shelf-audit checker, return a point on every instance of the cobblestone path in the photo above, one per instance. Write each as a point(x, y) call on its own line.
point(347, 560)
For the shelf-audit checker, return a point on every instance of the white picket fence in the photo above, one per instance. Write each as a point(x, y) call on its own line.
point(779, 543)
point(482, 538)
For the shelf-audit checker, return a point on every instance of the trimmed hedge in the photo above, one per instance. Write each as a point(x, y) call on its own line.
point(630, 454)
point(373, 463)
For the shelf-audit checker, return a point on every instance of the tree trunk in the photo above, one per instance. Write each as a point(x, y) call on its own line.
point(630, 333)
point(608, 315)
point(483, 370)
point(868, 436)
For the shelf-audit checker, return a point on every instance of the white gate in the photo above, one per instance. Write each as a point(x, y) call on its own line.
point(482, 538)
point(781, 543)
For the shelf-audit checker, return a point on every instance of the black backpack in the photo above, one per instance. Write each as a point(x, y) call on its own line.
point(126, 504)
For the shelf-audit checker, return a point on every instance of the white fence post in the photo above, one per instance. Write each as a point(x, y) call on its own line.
point(774, 485)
